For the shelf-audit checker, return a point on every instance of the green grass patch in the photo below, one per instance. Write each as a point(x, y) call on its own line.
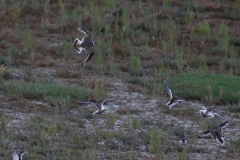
point(206, 87)
point(45, 91)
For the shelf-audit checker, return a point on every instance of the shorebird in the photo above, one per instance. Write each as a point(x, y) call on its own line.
point(216, 134)
point(85, 44)
point(19, 155)
point(99, 106)
point(173, 99)
point(209, 112)
point(182, 139)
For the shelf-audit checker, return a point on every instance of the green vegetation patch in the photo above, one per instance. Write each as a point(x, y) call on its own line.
point(207, 87)
point(43, 91)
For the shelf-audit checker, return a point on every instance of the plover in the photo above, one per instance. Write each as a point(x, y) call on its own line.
point(99, 106)
point(209, 112)
point(85, 44)
point(182, 139)
point(19, 155)
point(217, 133)
point(173, 99)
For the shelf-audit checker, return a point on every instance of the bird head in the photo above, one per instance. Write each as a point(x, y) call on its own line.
point(94, 43)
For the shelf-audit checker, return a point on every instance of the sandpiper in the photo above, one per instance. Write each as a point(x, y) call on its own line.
point(19, 155)
point(85, 44)
point(173, 99)
point(209, 112)
point(216, 134)
point(99, 106)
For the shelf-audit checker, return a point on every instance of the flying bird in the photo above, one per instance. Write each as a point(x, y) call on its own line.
point(209, 112)
point(217, 133)
point(173, 99)
point(85, 44)
point(99, 106)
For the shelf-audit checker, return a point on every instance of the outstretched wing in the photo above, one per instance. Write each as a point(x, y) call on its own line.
point(15, 156)
point(87, 35)
point(224, 124)
point(206, 134)
point(80, 102)
point(22, 154)
point(180, 100)
point(168, 89)
point(90, 53)
point(108, 99)
point(216, 114)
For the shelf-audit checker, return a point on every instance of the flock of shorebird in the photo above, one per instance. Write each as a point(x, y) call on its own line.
point(215, 133)
point(86, 44)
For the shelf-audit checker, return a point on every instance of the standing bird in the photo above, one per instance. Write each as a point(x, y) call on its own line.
point(85, 44)
point(173, 99)
point(99, 106)
point(19, 155)
point(216, 134)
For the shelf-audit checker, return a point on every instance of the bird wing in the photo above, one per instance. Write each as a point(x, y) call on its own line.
point(211, 109)
point(89, 55)
point(108, 99)
point(87, 34)
point(180, 100)
point(22, 154)
point(205, 134)
point(77, 45)
point(15, 156)
point(169, 89)
point(216, 114)
point(79, 29)
point(224, 124)
point(80, 102)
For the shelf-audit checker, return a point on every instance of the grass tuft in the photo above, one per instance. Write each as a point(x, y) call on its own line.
point(206, 86)
point(45, 91)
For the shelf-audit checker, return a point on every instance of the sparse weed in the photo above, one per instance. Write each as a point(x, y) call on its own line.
point(2, 3)
point(4, 72)
point(126, 20)
point(156, 138)
point(234, 147)
point(35, 121)
point(63, 13)
point(100, 90)
point(181, 156)
point(163, 72)
point(204, 29)
point(111, 119)
point(29, 40)
point(208, 123)
point(234, 108)
point(223, 30)
point(110, 3)
point(136, 66)
point(46, 6)
point(233, 52)
point(76, 14)
point(189, 16)
point(16, 13)
point(136, 123)
point(165, 3)
point(3, 138)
